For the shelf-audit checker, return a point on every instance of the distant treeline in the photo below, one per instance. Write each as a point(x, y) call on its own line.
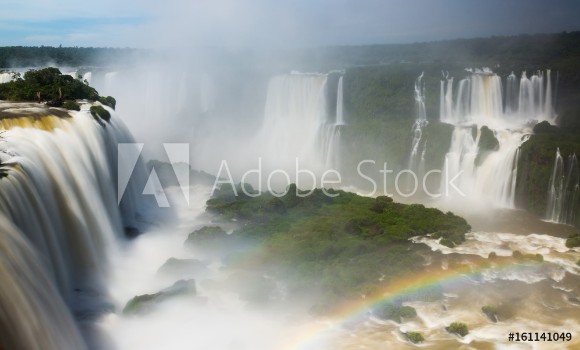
point(510, 51)
point(521, 51)
point(34, 56)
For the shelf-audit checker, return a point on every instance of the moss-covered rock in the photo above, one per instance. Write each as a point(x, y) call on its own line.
point(71, 105)
point(100, 112)
point(545, 127)
point(183, 268)
point(146, 302)
point(415, 337)
point(487, 143)
point(395, 312)
point(491, 312)
point(529, 257)
point(573, 241)
point(108, 101)
point(458, 328)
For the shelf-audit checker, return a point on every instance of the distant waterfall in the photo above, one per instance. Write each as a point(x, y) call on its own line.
point(564, 190)
point(417, 157)
point(480, 98)
point(59, 191)
point(331, 132)
point(339, 103)
point(297, 125)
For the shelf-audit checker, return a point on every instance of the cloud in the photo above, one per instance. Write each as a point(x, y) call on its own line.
point(281, 23)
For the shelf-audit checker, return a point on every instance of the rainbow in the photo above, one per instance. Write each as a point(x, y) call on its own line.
point(316, 331)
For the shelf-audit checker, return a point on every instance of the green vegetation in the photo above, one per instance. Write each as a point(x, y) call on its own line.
point(395, 312)
point(100, 112)
point(573, 241)
point(57, 89)
point(144, 303)
point(458, 328)
point(490, 311)
point(71, 105)
point(339, 246)
point(108, 101)
point(20, 56)
point(531, 257)
point(47, 84)
point(415, 337)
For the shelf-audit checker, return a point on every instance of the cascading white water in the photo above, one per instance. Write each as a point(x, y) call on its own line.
point(417, 157)
point(563, 190)
point(296, 124)
point(340, 103)
point(295, 110)
point(59, 190)
point(481, 100)
point(33, 315)
point(330, 137)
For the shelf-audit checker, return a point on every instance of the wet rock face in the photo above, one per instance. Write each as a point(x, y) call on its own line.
point(146, 302)
point(183, 268)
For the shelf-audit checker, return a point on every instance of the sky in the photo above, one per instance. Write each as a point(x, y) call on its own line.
point(274, 23)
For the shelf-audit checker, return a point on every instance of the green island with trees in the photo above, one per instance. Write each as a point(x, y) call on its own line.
point(55, 89)
point(338, 244)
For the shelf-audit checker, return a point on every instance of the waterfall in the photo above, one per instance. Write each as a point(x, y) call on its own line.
point(563, 190)
point(339, 103)
point(58, 189)
point(417, 157)
point(480, 98)
point(296, 123)
point(331, 132)
point(33, 315)
point(511, 94)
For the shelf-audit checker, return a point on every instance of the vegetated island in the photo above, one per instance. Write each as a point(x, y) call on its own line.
point(334, 248)
point(54, 89)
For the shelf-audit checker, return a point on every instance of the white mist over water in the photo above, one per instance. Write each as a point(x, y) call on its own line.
point(215, 319)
